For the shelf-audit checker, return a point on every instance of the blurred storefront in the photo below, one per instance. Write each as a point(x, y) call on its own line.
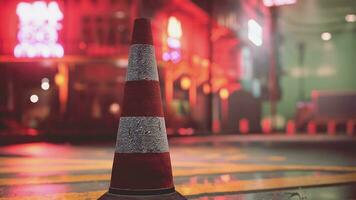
point(63, 64)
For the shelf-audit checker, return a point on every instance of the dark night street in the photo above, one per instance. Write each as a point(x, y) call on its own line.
point(214, 167)
point(177, 100)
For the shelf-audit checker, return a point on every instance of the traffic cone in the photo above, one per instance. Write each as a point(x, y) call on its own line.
point(142, 165)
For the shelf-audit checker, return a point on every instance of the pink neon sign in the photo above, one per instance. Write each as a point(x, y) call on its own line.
point(38, 30)
point(270, 3)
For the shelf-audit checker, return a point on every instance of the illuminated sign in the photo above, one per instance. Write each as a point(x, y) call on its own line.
point(174, 30)
point(270, 3)
point(38, 30)
point(254, 32)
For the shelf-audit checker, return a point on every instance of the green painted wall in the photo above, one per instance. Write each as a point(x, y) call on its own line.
point(328, 65)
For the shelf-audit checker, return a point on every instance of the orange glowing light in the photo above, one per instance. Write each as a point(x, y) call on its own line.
point(185, 83)
point(114, 108)
point(205, 63)
point(224, 94)
point(206, 88)
point(195, 59)
point(174, 28)
point(59, 79)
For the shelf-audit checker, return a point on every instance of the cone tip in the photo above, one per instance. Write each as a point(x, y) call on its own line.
point(142, 33)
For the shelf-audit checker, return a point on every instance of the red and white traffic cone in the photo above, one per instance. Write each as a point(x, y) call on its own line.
point(142, 166)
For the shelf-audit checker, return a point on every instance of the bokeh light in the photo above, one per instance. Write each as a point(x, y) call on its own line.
point(326, 36)
point(224, 94)
point(34, 98)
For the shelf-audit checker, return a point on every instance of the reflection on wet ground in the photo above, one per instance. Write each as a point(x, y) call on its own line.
point(204, 169)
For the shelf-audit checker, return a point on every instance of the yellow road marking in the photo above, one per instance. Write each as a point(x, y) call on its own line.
point(276, 158)
point(266, 184)
point(30, 165)
point(236, 157)
point(60, 196)
point(177, 172)
point(56, 168)
point(48, 161)
point(221, 187)
point(54, 179)
point(104, 165)
point(236, 168)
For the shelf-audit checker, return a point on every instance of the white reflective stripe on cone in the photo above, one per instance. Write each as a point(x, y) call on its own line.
point(142, 63)
point(142, 135)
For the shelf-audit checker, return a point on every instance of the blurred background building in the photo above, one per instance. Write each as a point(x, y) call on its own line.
point(225, 66)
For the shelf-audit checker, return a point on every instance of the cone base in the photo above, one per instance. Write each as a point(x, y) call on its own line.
point(171, 196)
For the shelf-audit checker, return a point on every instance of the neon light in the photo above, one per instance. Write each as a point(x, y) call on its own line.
point(174, 30)
point(173, 43)
point(175, 56)
point(38, 30)
point(254, 32)
point(270, 3)
point(166, 56)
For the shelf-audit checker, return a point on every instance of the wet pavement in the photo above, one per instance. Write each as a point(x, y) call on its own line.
point(205, 168)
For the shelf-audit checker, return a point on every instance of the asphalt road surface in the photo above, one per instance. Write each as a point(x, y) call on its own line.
point(205, 168)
